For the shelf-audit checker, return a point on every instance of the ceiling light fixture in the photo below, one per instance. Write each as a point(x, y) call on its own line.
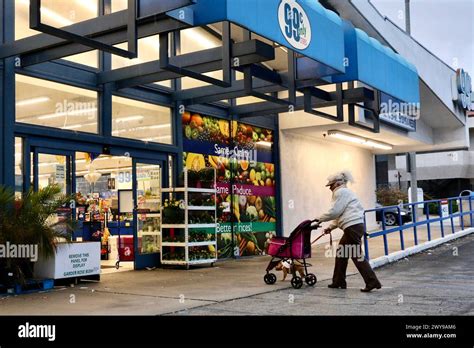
point(157, 138)
point(359, 140)
point(130, 118)
point(77, 126)
point(79, 112)
point(32, 101)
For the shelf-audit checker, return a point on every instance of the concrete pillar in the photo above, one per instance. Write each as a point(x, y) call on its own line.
point(413, 177)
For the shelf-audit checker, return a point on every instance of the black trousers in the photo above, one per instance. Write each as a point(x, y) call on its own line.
point(350, 247)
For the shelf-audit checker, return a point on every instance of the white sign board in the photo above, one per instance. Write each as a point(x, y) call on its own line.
point(125, 201)
point(294, 24)
point(444, 208)
point(60, 172)
point(71, 260)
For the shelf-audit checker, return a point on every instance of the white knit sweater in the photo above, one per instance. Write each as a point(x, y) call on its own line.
point(346, 209)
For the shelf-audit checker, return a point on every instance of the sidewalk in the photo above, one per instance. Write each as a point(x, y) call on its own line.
point(163, 291)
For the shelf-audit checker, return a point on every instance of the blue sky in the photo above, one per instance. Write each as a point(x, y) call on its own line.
point(445, 27)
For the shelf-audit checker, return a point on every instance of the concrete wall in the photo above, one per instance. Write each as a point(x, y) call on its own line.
point(306, 163)
point(438, 165)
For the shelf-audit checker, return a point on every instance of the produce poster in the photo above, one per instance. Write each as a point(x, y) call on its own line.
point(243, 158)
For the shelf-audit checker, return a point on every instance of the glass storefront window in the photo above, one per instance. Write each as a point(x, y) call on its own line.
point(119, 5)
point(18, 167)
point(133, 119)
point(58, 14)
point(148, 50)
point(44, 103)
point(52, 171)
point(148, 47)
point(194, 40)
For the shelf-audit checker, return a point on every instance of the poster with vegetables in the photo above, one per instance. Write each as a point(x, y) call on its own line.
point(243, 158)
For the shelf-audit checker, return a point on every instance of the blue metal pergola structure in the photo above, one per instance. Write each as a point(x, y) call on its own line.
point(336, 53)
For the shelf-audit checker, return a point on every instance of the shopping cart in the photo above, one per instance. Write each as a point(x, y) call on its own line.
point(295, 248)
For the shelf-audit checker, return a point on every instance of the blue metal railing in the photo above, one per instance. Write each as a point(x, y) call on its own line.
point(415, 222)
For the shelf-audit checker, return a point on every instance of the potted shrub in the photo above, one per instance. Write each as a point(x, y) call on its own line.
point(29, 221)
point(388, 196)
point(173, 211)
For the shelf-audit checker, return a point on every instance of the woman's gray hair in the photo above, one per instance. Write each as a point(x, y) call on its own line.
point(344, 176)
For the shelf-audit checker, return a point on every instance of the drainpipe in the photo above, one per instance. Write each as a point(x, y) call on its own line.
point(407, 17)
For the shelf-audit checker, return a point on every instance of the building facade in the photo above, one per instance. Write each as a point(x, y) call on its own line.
point(100, 98)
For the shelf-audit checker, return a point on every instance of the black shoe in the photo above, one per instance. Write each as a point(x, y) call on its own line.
point(336, 286)
point(369, 288)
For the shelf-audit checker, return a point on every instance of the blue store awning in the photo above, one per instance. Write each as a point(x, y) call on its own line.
point(323, 37)
point(304, 26)
point(378, 66)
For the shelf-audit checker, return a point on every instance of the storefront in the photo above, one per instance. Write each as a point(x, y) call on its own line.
point(78, 112)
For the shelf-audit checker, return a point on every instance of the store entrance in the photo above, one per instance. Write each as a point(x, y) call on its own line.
point(147, 195)
point(117, 201)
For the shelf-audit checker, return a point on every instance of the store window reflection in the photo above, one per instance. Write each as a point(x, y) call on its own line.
point(58, 13)
point(133, 119)
point(44, 103)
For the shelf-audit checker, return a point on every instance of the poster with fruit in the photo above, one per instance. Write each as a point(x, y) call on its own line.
point(243, 158)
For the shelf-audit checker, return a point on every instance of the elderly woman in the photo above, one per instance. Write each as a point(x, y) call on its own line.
point(347, 213)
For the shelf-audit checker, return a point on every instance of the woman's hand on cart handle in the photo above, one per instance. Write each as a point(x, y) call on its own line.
point(316, 226)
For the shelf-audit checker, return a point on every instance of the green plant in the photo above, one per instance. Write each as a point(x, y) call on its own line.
point(454, 208)
point(29, 221)
point(193, 177)
point(390, 196)
point(433, 208)
point(206, 174)
point(173, 211)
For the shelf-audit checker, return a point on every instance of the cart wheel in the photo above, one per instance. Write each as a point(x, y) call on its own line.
point(117, 265)
point(311, 279)
point(296, 282)
point(270, 278)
